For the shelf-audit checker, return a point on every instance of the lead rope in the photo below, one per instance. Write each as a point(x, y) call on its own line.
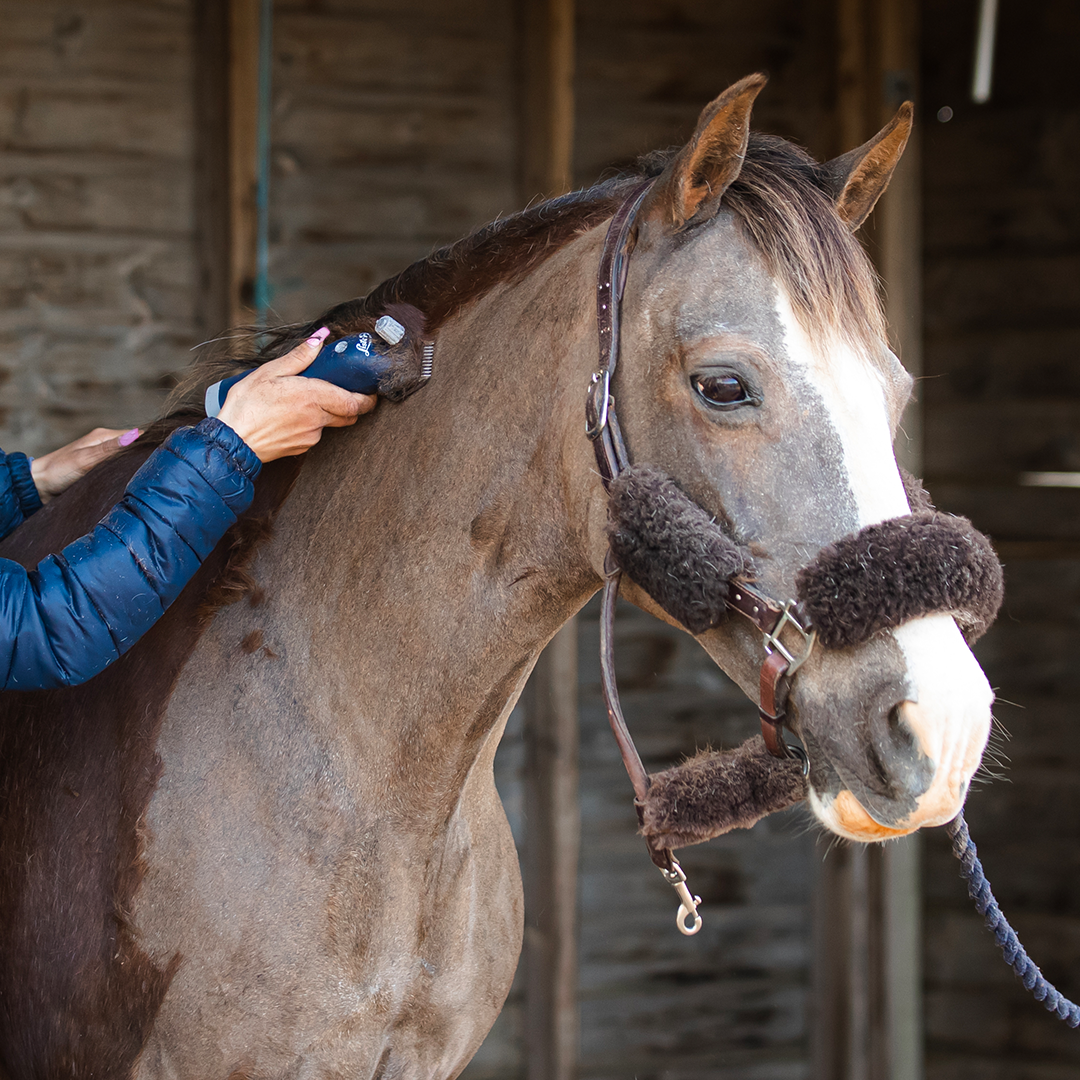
point(1015, 954)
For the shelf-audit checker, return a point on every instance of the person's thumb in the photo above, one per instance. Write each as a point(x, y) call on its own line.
point(292, 363)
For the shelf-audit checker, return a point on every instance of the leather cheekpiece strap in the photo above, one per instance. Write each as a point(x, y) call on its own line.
point(600, 423)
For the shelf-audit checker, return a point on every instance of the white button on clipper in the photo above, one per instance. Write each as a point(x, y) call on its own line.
point(389, 329)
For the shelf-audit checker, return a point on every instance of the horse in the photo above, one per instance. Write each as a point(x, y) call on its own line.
point(267, 841)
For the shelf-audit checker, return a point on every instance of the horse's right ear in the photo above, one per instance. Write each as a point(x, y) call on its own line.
point(857, 179)
point(691, 187)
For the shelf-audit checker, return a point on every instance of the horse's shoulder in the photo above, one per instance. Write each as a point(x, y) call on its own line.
point(78, 768)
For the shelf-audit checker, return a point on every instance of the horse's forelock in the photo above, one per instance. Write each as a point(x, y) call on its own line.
point(782, 205)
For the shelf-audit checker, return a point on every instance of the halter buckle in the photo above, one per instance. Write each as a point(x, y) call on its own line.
point(597, 401)
point(771, 639)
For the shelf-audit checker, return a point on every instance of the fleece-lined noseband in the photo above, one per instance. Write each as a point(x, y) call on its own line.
point(873, 580)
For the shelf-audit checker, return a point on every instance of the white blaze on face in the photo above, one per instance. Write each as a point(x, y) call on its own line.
point(852, 389)
point(949, 710)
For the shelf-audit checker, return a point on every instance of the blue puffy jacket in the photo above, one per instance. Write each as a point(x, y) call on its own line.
point(72, 616)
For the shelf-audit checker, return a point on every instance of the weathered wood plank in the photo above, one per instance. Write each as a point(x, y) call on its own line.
point(112, 44)
point(1001, 436)
point(546, 134)
point(96, 257)
point(393, 132)
point(552, 843)
point(1013, 513)
point(1008, 289)
point(644, 77)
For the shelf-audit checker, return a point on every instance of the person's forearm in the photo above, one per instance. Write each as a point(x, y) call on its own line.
point(18, 495)
point(79, 610)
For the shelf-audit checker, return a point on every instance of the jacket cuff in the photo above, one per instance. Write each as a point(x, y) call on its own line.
point(22, 484)
point(238, 451)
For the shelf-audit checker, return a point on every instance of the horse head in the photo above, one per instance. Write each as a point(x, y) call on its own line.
point(755, 371)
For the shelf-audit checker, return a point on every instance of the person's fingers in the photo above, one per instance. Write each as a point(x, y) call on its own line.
point(101, 435)
point(335, 402)
point(298, 358)
point(55, 472)
point(333, 420)
point(95, 453)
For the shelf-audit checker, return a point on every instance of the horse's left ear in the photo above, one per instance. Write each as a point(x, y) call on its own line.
point(692, 185)
point(856, 179)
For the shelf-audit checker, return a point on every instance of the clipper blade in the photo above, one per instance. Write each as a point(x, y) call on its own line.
point(428, 364)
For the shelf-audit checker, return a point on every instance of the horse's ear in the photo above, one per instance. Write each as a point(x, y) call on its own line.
point(857, 179)
point(692, 185)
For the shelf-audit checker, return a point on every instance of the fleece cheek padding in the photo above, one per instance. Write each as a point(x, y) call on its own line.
point(672, 548)
point(717, 791)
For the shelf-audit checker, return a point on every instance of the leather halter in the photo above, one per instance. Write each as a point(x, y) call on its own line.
point(768, 616)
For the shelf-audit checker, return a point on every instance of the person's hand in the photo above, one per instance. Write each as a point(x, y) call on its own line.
point(55, 472)
point(279, 414)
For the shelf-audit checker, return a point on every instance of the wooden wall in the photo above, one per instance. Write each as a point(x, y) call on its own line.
point(395, 129)
point(96, 227)
point(394, 132)
point(1002, 397)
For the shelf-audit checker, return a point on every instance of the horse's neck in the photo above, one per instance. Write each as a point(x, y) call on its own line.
point(427, 555)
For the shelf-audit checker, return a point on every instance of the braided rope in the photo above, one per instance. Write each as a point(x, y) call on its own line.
point(1015, 955)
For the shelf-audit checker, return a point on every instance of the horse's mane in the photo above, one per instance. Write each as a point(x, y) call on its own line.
point(779, 198)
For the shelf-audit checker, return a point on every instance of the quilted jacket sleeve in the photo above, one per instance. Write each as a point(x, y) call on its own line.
point(68, 619)
point(18, 496)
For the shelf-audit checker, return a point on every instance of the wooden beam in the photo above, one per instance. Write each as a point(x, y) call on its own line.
point(546, 97)
point(552, 838)
point(553, 827)
point(868, 979)
point(226, 43)
point(210, 33)
point(243, 152)
point(899, 219)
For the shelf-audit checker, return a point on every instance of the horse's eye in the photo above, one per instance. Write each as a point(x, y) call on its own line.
point(723, 391)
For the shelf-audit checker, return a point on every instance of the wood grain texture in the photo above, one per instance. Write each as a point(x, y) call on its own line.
point(394, 131)
point(550, 866)
point(97, 262)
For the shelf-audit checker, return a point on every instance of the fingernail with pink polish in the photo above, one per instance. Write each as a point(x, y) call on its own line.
point(319, 336)
point(128, 437)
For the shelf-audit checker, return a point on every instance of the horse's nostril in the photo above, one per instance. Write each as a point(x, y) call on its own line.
point(878, 771)
point(900, 734)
